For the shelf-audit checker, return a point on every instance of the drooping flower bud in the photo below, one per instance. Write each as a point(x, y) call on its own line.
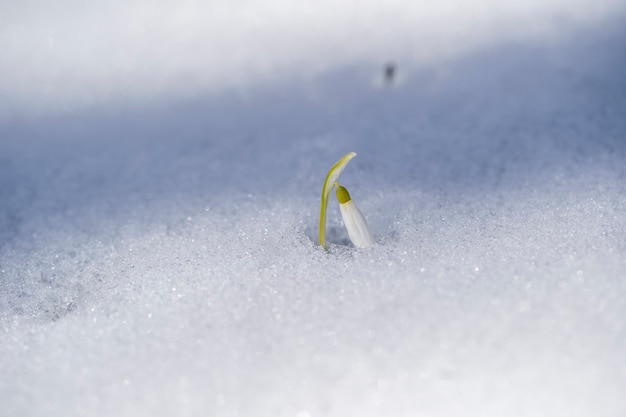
point(358, 230)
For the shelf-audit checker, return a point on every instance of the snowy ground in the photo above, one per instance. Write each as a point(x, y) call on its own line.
point(157, 225)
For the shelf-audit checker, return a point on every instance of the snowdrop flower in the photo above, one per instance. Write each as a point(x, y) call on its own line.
point(358, 230)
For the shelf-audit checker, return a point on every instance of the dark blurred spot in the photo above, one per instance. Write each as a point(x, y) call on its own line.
point(390, 73)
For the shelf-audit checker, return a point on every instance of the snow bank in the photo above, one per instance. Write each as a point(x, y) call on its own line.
point(160, 259)
point(67, 55)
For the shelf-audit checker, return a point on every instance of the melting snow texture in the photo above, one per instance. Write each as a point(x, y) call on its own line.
point(160, 170)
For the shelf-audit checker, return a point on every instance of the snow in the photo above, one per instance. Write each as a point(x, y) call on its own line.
point(158, 224)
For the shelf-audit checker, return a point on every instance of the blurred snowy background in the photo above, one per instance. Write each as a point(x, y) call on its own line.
point(160, 170)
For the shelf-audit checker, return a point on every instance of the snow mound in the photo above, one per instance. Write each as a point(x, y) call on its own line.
point(161, 260)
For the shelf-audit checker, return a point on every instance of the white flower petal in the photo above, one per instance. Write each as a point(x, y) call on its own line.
point(358, 230)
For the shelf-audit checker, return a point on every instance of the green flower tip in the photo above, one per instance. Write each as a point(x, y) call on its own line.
point(342, 194)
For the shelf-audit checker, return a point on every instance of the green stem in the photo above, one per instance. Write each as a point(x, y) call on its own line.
point(327, 188)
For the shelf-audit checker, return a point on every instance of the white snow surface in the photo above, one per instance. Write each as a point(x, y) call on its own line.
point(160, 171)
